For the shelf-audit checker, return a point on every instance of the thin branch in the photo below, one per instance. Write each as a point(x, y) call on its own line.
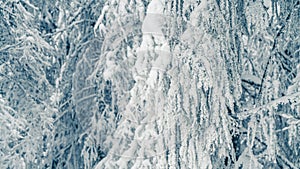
point(285, 160)
point(264, 76)
point(9, 46)
point(293, 98)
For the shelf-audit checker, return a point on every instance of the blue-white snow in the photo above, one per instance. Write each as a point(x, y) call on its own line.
point(149, 84)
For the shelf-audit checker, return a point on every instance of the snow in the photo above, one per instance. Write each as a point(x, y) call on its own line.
point(149, 84)
point(99, 25)
point(268, 4)
point(153, 24)
point(156, 7)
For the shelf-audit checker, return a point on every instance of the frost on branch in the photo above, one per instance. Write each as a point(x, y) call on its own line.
point(149, 84)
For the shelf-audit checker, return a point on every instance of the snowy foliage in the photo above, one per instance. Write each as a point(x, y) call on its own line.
point(149, 84)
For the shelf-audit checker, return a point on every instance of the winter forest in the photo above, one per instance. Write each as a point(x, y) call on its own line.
point(149, 84)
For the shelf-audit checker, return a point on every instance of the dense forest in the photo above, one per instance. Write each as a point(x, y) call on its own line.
point(207, 84)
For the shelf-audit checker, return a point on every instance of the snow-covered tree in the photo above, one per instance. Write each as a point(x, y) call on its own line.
point(149, 84)
point(25, 89)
